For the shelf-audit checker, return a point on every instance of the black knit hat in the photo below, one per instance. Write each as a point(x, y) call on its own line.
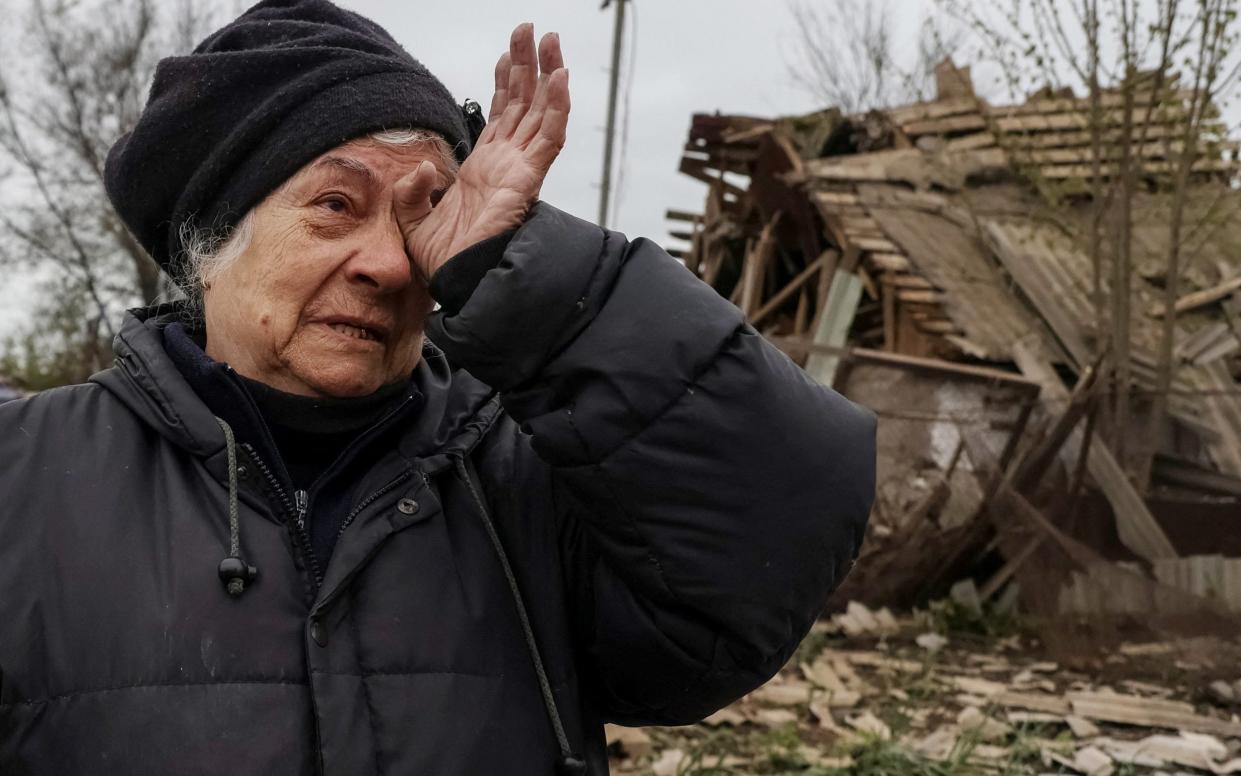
point(285, 82)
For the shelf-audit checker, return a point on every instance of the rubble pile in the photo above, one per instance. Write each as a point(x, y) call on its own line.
point(871, 693)
point(933, 262)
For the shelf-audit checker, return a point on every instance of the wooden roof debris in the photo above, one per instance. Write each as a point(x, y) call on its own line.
point(928, 260)
point(996, 706)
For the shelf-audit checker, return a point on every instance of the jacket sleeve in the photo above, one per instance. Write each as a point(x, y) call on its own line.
point(713, 494)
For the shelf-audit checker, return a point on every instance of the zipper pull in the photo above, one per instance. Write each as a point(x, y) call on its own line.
point(301, 500)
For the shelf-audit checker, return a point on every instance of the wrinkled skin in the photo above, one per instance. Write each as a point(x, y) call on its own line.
point(330, 298)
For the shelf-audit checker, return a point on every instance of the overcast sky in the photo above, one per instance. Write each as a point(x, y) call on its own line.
point(691, 55)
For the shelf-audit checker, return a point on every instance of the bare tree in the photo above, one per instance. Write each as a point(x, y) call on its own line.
point(847, 55)
point(79, 83)
point(1123, 53)
point(1214, 75)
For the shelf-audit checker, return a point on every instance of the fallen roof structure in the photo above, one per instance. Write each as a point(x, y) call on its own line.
point(929, 262)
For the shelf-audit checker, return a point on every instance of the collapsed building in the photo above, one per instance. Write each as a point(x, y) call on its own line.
point(934, 262)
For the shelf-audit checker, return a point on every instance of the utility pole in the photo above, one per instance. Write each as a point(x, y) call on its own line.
point(605, 190)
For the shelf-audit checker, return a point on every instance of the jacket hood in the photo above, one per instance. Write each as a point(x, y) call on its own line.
point(456, 412)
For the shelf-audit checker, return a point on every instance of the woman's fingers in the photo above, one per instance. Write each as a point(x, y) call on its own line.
point(549, 138)
point(550, 60)
point(499, 100)
point(522, 77)
point(412, 197)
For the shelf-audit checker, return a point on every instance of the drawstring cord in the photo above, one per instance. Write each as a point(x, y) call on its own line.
point(569, 764)
point(234, 571)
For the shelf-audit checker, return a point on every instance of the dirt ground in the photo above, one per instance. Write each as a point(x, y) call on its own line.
point(944, 692)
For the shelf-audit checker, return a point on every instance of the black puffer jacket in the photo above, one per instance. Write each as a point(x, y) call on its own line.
point(674, 496)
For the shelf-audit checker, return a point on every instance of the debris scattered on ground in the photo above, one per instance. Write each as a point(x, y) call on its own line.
point(885, 704)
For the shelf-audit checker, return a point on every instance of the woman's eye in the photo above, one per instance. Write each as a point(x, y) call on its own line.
point(335, 204)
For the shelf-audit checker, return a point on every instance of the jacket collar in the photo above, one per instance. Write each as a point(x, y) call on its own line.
point(457, 408)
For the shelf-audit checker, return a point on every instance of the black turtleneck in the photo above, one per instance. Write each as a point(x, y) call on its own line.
point(302, 439)
point(310, 433)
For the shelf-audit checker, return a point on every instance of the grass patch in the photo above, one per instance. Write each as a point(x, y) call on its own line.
point(810, 647)
point(877, 757)
point(948, 617)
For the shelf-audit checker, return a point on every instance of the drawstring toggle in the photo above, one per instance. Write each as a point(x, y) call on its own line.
point(235, 573)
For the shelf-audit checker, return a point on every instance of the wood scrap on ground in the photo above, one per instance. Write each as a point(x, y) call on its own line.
point(969, 707)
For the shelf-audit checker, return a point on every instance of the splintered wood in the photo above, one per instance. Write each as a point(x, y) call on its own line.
point(953, 238)
point(962, 709)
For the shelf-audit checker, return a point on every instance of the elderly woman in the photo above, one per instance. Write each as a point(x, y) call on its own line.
point(287, 534)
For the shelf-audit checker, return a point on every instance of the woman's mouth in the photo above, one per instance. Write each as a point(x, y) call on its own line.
point(356, 332)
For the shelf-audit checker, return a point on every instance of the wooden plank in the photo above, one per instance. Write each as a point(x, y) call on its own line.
point(715, 153)
point(1081, 120)
point(824, 285)
point(1111, 153)
point(872, 166)
point(923, 111)
point(803, 312)
point(912, 281)
point(1018, 257)
point(682, 215)
point(1063, 171)
point(946, 368)
point(889, 311)
point(754, 270)
point(872, 235)
point(833, 330)
point(874, 244)
point(1083, 139)
point(1190, 475)
point(940, 326)
point(894, 262)
point(967, 123)
point(833, 198)
point(794, 285)
point(746, 133)
point(1136, 526)
point(1106, 100)
point(971, 142)
point(920, 297)
point(1203, 340)
point(1202, 298)
point(860, 223)
point(1038, 458)
point(1048, 704)
point(1142, 711)
point(697, 169)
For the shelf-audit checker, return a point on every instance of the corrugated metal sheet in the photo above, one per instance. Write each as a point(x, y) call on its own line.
point(1219, 404)
point(977, 300)
point(1055, 275)
point(1212, 577)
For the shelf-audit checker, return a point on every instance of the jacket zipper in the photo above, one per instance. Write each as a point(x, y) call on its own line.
point(301, 499)
point(294, 512)
point(371, 499)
